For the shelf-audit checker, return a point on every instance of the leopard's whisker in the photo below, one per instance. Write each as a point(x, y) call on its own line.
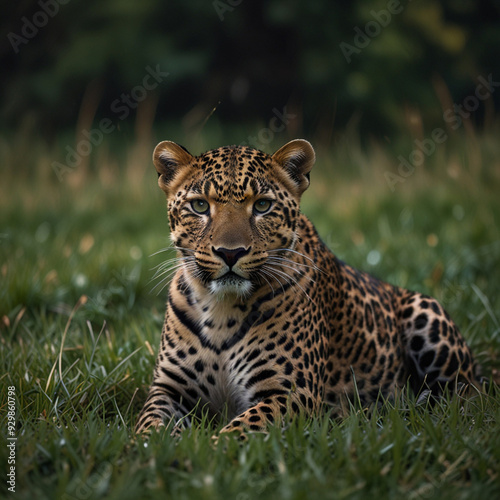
point(165, 281)
point(267, 273)
point(171, 264)
point(185, 249)
point(302, 273)
point(281, 273)
point(262, 274)
point(279, 250)
point(290, 261)
point(169, 273)
point(168, 263)
point(273, 274)
point(161, 250)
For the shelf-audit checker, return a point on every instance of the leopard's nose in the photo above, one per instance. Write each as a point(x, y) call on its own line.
point(231, 255)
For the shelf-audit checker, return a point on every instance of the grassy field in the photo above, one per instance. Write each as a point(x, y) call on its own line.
point(80, 322)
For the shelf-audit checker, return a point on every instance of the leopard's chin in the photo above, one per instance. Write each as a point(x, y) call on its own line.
point(231, 284)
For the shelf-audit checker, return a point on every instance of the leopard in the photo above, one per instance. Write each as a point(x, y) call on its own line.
point(263, 322)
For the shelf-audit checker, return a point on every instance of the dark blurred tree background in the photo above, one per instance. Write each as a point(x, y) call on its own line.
point(246, 58)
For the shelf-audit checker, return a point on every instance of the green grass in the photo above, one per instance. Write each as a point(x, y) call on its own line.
point(81, 367)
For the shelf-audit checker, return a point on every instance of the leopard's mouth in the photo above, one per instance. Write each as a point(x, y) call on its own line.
point(231, 284)
point(232, 279)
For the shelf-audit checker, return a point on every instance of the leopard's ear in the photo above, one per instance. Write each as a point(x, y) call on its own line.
point(297, 159)
point(169, 158)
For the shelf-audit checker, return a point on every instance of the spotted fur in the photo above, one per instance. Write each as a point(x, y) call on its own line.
point(262, 319)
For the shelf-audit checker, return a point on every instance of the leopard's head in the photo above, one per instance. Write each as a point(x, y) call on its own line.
point(233, 212)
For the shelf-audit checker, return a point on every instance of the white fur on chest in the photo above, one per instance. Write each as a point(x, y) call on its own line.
point(220, 320)
point(227, 396)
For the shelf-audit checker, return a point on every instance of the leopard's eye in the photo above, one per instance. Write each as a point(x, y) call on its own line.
point(200, 206)
point(262, 206)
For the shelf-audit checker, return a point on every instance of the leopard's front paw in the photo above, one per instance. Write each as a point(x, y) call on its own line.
point(147, 426)
point(230, 432)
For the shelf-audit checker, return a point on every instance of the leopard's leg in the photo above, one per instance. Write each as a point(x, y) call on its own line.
point(257, 418)
point(260, 416)
point(162, 405)
point(436, 354)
